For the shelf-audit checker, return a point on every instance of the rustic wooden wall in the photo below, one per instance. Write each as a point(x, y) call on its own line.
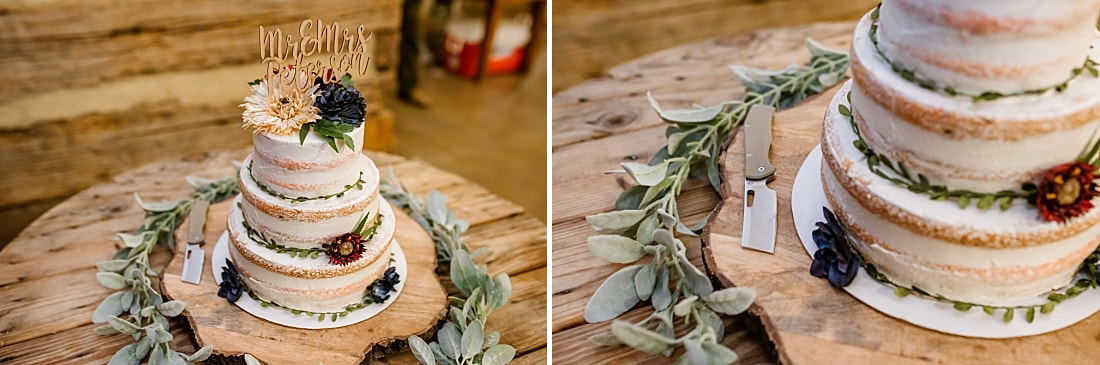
point(591, 36)
point(96, 87)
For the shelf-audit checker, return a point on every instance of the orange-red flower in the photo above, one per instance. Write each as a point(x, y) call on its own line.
point(1066, 191)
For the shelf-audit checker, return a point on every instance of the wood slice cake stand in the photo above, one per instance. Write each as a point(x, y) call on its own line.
point(809, 321)
point(232, 331)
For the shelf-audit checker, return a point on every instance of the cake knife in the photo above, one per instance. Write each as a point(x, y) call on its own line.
point(194, 257)
point(758, 229)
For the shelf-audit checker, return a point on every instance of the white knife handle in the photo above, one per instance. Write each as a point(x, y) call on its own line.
point(758, 142)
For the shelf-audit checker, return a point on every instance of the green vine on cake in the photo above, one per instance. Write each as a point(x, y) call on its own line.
point(137, 309)
point(907, 74)
point(375, 293)
point(919, 183)
point(356, 185)
point(838, 260)
point(1047, 196)
point(312, 253)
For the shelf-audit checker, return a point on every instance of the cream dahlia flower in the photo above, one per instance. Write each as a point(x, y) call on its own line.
point(279, 108)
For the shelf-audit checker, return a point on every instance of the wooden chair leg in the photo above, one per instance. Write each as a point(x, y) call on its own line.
point(538, 17)
point(492, 17)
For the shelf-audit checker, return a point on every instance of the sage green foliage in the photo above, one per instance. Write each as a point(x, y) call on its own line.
point(462, 339)
point(441, 224)
point(137, 309)
point(647, 214)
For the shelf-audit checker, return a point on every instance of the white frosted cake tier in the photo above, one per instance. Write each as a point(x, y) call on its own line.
point(963, 254)
point(989, 45)
point(984, 146)
point(289, 167)
point(310, 223)
point(309, 284)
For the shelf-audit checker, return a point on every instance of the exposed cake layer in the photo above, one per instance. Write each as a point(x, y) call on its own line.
point(292, 168)
point(964, 254)
point(982, 146)
point(310, 223)
point(304, 283)
point(989, 45)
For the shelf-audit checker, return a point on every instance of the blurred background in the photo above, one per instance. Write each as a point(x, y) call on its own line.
point(97, 87)
point(591, 36)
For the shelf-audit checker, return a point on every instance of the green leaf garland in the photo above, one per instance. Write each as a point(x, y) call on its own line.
point(647, 214)
point(461, 340)
point(138, 310)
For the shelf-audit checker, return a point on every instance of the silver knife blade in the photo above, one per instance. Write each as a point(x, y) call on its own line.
point(758, 228)
point(194, 256)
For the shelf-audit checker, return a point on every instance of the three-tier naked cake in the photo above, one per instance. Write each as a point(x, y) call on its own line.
point(959, 154)
point(310, 231)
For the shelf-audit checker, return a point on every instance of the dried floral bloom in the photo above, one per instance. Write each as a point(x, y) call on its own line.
point(1066, 191)
point(279, 107)
point(345, 249)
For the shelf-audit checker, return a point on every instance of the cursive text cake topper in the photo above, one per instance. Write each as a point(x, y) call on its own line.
point(347, 49)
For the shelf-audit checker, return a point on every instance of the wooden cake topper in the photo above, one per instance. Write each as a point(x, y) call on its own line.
point(347, 48)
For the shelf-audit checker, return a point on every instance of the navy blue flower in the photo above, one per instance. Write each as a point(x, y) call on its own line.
point(380, 289)
point(340, 103)
point(231, 287)
point(834, 258)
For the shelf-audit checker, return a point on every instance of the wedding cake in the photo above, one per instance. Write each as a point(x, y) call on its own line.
point(310, 231)
point(961, 155)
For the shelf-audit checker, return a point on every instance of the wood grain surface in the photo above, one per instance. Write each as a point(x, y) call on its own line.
point(600, 123)
point(48, 289)
point(591, 37)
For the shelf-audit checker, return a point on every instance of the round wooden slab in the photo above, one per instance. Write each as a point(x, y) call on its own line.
point(422, 303)
point(807, 319)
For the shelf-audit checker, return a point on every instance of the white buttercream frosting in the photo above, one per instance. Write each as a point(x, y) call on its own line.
point(943, 267)
point(319, 294)
point(989, 45)
point(303, 228)
point(958, 161)
point(293, 168)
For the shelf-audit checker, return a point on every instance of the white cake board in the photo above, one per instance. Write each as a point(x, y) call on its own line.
point(285, 317)
point(807, 198)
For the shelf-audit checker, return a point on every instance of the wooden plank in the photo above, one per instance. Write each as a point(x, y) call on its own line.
point(678, 77)
point(518, 244)
point(577, 273)
point(531, 358)
point(58, 46)
point(522, 322)
point(571, 346)
point(592, 36)
point(81, 345)
point(589, 191)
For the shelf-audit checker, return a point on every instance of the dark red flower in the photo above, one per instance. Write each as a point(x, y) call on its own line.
point(1066, 191)
point(345, 249)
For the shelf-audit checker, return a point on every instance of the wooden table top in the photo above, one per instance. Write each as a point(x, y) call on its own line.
point(600, 123)
point(48, 289)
